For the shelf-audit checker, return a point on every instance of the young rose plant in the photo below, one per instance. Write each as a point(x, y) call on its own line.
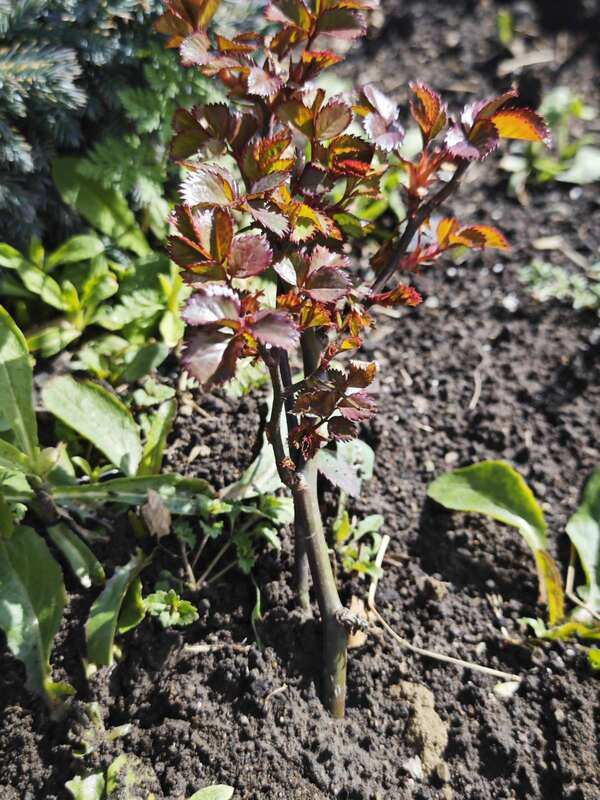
point(273, 179)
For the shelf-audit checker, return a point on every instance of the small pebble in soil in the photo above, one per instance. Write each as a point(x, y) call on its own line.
point(511, 303)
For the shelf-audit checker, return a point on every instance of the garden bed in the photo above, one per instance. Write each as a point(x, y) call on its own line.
point(479, 371)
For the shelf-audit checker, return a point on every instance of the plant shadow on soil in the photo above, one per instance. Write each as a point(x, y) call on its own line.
point(252, 718)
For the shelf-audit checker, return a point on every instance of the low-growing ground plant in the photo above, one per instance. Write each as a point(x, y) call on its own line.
point(266, 227)
point(548, 281)
point(105, 291)
point(63, 493)
point(497, 490)
point(576, 158)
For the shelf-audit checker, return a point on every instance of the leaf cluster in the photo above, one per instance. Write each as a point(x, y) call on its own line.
point(273, 182)
point(108, 281)
point(45, 482)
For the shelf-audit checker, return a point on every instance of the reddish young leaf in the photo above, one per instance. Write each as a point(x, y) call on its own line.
point(349, 155)
point(186, 252)
point(250, 254)
point(269, 182)
point(226, 369)
point(276, 328)
point(480, 236)
point(271, 220)
point(342, 430)
point(521, 123)
point(485, 109)
point(296, 114)
point(333, 119)
point(203, 353)
point(183, 17)
point(221, 234)
point(190, 134)
point(262, 83)
point(236, 46)
point(386, 135)
point(358, 407)
point(343, 23)
point(196, 51)
point(286, 11)
point(428, 111)
point(207, 187)
point(314, 62)
point(361, 374)
point(201, 12)
point(474, 145)
point(212, 305)
point(327, 285)
point(402, 295)
point(307, 440)
point(322, 257)
point(285, 270)
point(446, 227)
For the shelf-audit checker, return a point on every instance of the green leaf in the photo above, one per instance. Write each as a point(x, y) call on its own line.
point(7, 525)
point(583, 530)
point(497, 490)
point(32, 599)
point(171, 328)
point(342, 528)
point(594, 658)
point(101, 627)
point(16, 385)
point(171, 609)
point(551, 586)
point(82, 561)
point(219, 792)
point(90, 788)
point(44, 286)
point(52, 338)
point(144, 360)
point(103, 208)
point(133, 609)
point(99, 417)
point(11, 258)
point(75, 249)
point(162, 422)
point(347, 467)
point(259, 478)
point(185, 496)
point(13, 459)
point(585, 167)
point(36, 251)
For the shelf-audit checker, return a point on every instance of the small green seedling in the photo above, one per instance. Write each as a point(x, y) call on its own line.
point(237, 529)
point(497, 490)
point(549, 282)
point(130, 779)
point(170, 609)
point(357, 543)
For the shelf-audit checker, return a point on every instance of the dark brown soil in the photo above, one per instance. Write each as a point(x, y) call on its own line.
point(235, 714)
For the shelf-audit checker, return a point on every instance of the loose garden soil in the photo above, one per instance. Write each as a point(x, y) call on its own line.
point(479, 371)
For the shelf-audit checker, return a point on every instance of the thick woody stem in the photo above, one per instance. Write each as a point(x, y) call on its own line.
point(301, 567)
point(335, 633)
point(306, 504)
